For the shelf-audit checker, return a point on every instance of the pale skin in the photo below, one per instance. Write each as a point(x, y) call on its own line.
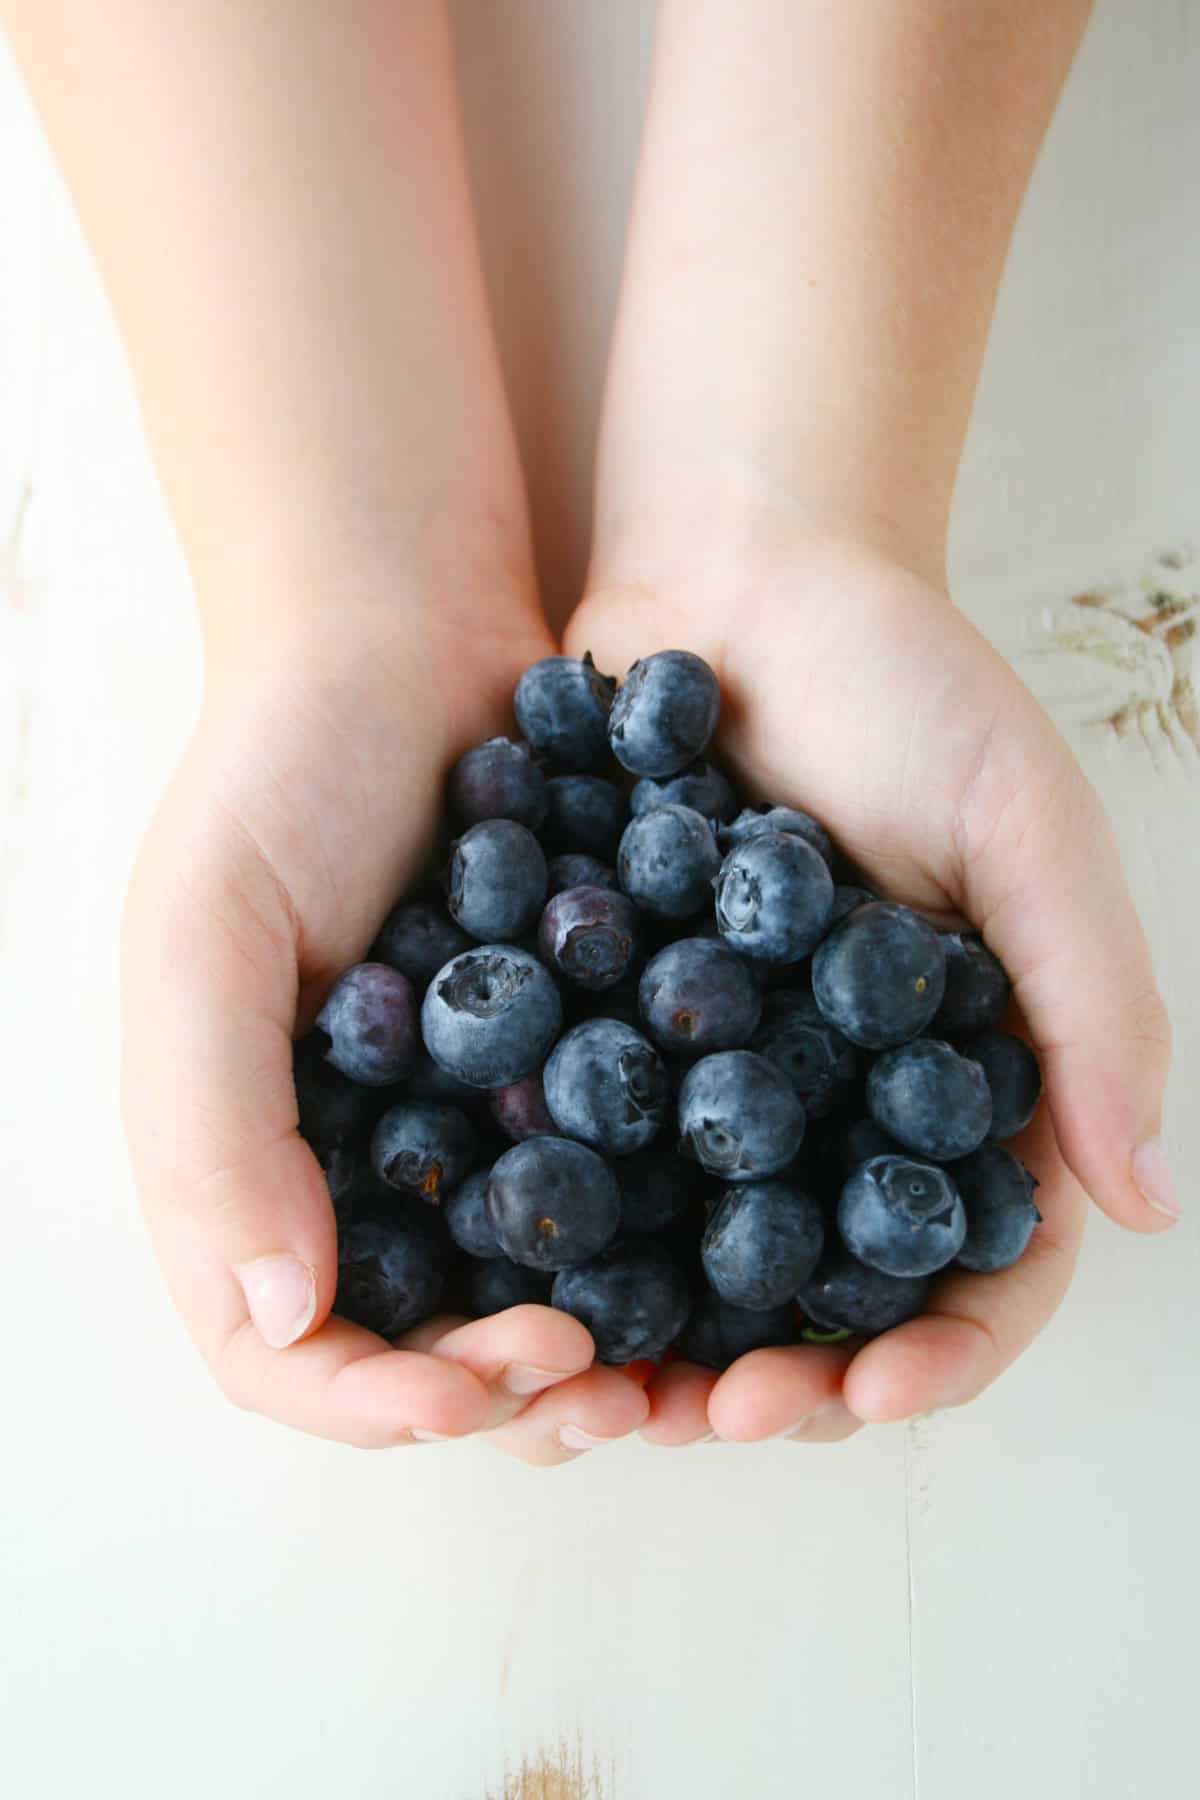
point(277, 200)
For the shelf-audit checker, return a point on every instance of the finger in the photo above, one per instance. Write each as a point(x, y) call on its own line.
point(593, 1409)
point(974, 1325)
point(783, 1393)
point(678, 1395)
point(517, 1354)
point(1043, 875)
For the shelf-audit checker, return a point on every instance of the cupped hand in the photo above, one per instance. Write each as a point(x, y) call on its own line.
point(856, 690)
point(305, 805)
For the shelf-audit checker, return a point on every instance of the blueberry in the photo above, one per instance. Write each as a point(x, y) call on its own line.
point(846, 1295)
point(429, 1081)
point(491, 1015)
point(818, 1061)
point(606, 1086)
point(496, 1284)
point(977, 988)
point(633, 1298)
point(390, 1275)
point(751, 823)
point(562, 706)
point(496, 882)
point(930, 1099)
point(697, 995)
point(774, 898)
point(552, 1203)
point(879, 975)
point(858, 1142)
point(332, 1108)
point(656, 1191)
point(717, 1333)
point(665, 711)
point(467, 1219)
point(701, 786)
point(578, 871)
point(343, 1172)
point(422, 1148)
point(667, 862)
point(1013, 1077)
point(520, 1109)
point(847, 899)
point(370, 1018)
point(585, 816)
point(590, 936)
point(762, 1244)
point(419, 939)
point(498, 780)
point(902, 1216)
point(997, 1193)
point(739, 1116)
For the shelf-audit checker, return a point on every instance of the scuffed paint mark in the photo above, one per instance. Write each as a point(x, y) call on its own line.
point(563, 1772)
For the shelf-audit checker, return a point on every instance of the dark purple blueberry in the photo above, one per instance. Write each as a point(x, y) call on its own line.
point(342, 1168)
point(762, 1244)
point(498, 780)
point(667, 862)
point(701, 786)
point(751, 823)
point(422, 1148)
point(496, 882)
point(697, 996)
point(1013, 1077)
point(579, 871)
point(585, 816)
point(467, 1219)
point(739, 1116)
point(930, 1099)
point(419, 939)
point(491, 1015)
point(717, 1334)
point(879, 975)
point(562, 706)
point(498, 1284)
point(977, 988)
point(902, 1216)
point(552, 1203)
point(520, 1110)
point(844, 1294)
point(633, 1298)
point(607, 1086)
point(657, 1191)
point(590, 936)
point(997, 1193)
point(774, 895)
point(332, 1108)
point(665, 712)
point(370, 1019)
point(818, 1061)
point(390, 1275)
point(847, 899)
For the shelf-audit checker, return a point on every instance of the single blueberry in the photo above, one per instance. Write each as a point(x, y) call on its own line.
point(332, 1108)
point(342, 1167)
point(879, 975)
point(422, 1148)
point(762, 1244)
point(977, 988)
point(520, 1109)
point(390, 1275)
point(818, 1061)
point(902, 1216)
point(774, 898)
point(665, 711)
point(656, 1191)
point(844, 1294)
point(585, 816)
point(859, 1141)
point(552, 1203)
point(495, 1285)
point(930, 1099)
point(606, 1085)
point(491, 1015)
point(633, 1298)
point(590, 936)
point(419, 939)
point(562, 706)
point(847, 899)
point(370, 1019)
point(739, 1116)
point(698, 995)
point(429, 1081)
point(498, 780)
point(667, 862)
point(717, 1334)
point(467, 1218)
point(751, 823)
point(1013, 1076)
point(578, 871)
point(701, 786)
point(997, 1193)
point(496, 882)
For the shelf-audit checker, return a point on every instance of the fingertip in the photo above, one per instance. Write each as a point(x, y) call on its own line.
point(933, 1361)
point(1150, 1168)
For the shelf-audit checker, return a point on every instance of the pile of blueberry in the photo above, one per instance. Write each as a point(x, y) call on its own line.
point(657, 1061)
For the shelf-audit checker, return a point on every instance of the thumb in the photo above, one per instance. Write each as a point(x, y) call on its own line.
point(1043, 875)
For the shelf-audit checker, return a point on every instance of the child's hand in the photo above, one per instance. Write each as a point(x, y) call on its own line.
point(857, 691)
point(304, 806)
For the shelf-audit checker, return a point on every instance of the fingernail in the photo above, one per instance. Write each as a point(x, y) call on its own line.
point(710, 1437)
point(281, 1293)
point(571, 1438)
point(1152, 1173)
point(520, 1379)
point(427, 1437)
point(798, 1429)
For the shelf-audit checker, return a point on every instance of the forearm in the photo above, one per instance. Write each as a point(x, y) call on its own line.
point(277, 200)
point(825, 199)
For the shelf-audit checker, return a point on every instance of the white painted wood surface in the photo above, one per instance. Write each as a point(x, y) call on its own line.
point(993, 1602)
